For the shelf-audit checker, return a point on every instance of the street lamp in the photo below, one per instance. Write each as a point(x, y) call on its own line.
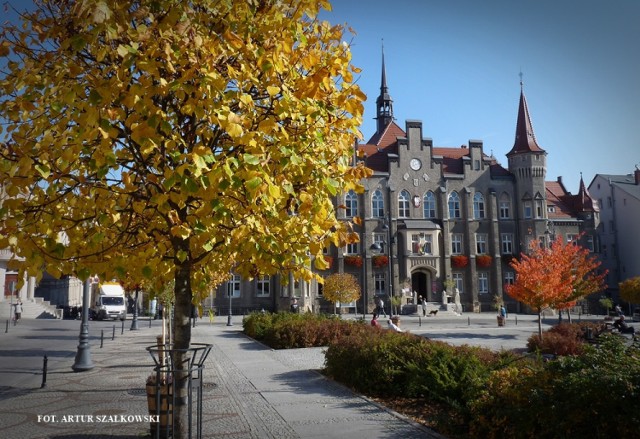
point(387, 243)
point(230, 292)
point(83, 355)
point(134, 320)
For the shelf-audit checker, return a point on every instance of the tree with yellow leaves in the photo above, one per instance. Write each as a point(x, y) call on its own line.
point(175, 140)
point(341, 287)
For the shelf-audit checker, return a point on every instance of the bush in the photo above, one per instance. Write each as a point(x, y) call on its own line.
point(285, 330)
point(595, 394)
point(390, 364)
point(563, 339)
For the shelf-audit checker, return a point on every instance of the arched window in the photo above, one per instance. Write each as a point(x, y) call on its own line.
point(377, 204)
point(454, 205)
point(351, 204)
point(403, 204)
point(505, 206)
point(429, 205)
point(478, 206)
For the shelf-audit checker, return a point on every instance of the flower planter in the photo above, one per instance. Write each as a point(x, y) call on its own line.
point(459, 261)
point(355, 261)
point(380, 261)
point(500, 320)
point(483, 261)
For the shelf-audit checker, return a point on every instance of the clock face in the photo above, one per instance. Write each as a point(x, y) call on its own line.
point(415, 164)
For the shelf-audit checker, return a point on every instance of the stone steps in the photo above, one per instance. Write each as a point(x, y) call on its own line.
point(31, 309)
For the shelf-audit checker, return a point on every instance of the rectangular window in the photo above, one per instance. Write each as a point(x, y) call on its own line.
point(571, 238)
point(609, 201)
point(457, 281)
point(421, 244)
point(506, 243)
point(590, 245)
point(379, 285)
point(527, 209)
point(481, 243)
point(233, 286)
point(539, 209)
point(456, 243)
point(504, 209)
point(509, 277)
point(263, 287)
point(476, 165)
point(483, 282)
point(351, 249)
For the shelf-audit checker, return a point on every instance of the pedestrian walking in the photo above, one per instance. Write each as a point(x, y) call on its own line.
point(18, 310)
point(381, 307)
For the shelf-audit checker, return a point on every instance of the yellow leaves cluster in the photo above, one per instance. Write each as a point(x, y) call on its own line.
point(156, 141)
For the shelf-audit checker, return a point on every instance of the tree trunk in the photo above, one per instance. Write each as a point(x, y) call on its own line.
point(540, 323)
point(182, 340)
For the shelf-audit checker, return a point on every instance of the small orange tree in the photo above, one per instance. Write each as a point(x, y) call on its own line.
point(630, 290)
point(341, 287)
point(555, 276)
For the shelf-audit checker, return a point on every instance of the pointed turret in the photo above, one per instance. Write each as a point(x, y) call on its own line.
point(584, 202)
point(384, 103)
point(525, 138)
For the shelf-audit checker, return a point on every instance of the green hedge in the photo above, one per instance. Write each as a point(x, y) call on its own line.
point(593, 392)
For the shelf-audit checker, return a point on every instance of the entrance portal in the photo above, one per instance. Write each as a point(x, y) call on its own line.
point(421, 284)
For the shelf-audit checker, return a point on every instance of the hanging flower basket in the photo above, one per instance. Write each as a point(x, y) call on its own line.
point(380, 261)
point(355, 261)
point(459, 261)
point(483, 261)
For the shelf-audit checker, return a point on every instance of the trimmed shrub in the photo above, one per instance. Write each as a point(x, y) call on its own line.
point(595, 394)
point(563, 339)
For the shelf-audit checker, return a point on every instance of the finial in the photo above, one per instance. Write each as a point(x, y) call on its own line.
point(520, 74)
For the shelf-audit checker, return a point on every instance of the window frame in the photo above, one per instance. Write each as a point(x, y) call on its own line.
point(404, 204)
point(453, 203)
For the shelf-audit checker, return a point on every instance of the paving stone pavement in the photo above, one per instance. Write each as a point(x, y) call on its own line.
point(250, 390)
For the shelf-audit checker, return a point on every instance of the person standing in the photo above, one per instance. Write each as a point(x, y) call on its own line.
point(381, 307)
point(424, 307)
point(18, 310)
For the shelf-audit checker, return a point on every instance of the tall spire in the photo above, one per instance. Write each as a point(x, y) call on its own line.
point(525, 138)
point(384, 103)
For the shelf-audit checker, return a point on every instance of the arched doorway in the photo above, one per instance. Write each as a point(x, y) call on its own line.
point(421, 284)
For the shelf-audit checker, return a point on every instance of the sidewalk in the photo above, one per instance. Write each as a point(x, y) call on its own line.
point(250, 391)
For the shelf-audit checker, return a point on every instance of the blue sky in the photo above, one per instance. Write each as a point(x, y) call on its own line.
point(455, 64)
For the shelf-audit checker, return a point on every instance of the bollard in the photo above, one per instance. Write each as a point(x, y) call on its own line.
point(7, 328)
point(516, 319)
point(122, 332)
point(419, 321)
point(468, 321)
point(149, 322)
point(44, 372)
point(101, 338)
point(113, 335)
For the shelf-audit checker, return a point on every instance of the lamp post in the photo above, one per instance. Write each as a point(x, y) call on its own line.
point(83, 355)
point(387, 244)
point(134, 320)
point(230, 292)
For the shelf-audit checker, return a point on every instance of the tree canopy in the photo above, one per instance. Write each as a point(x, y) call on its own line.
point(555, 276)
point(149, 137)
point(630, 290)
point(341, 287)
